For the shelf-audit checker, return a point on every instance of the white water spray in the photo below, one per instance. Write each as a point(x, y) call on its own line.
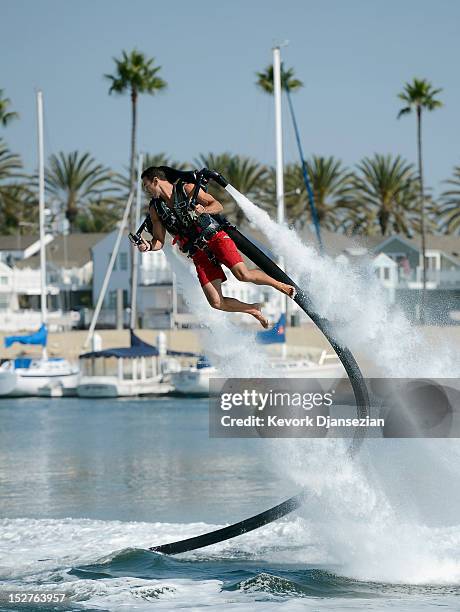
point(357, 302)
point(390, 515)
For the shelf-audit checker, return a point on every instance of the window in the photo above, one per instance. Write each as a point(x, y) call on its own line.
point(4, 302)
point(386, 273)
point(123, 261)
point(112, 300)
point(3, 280)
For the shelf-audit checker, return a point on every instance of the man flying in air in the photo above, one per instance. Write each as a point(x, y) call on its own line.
point(202, 237)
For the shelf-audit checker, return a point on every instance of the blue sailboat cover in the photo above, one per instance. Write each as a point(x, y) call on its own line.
point(275, 335)
point(39, 337)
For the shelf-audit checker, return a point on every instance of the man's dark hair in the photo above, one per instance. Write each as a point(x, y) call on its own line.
point(155, 172)
point(165, 173)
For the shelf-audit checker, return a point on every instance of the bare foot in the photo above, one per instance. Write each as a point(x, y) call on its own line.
point(259, 316)
point(288, 290)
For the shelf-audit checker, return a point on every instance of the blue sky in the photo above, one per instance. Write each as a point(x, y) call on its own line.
point(354, 57)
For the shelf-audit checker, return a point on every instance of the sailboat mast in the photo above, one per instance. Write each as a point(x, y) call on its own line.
point(41, 205)
point(279, 135)
point(279, 157)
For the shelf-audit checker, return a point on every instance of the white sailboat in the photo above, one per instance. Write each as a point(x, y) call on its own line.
point(26, 376)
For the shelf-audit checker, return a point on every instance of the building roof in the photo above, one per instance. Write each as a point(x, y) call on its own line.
point(17, 242)
point(450, 244)
point(72, 251)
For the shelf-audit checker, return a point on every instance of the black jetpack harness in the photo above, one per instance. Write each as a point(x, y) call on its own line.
point(192, 231)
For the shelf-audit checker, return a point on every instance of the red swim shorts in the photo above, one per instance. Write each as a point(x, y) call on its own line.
point(226, 253)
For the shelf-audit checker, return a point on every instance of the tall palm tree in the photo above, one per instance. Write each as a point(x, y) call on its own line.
point(288, 80)
point(385, 196)
point(5, 115)
point(419, 96)
point(449, 211)
point(245, 174)
point(76, 180)
point(136, 74)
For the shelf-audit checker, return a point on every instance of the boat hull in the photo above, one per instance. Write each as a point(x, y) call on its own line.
point(20, 383)
point(110, 386)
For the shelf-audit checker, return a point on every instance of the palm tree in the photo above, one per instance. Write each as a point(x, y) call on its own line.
point(18, 208)
point(449, 210)
point(77, 180)
point(420, 95)
point(136, 74)
point(385, 196)
point(245, 174)
point(10, 163)
point(12, 189)
point(332, 186)
point(5, 115)
point(288, 80)
point(99, 216)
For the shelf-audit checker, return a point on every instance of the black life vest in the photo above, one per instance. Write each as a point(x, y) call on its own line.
point(193, 232)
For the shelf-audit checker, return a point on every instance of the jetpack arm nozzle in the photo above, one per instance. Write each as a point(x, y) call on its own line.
point(214, 175)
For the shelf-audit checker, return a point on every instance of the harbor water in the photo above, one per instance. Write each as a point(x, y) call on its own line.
point(88, 486)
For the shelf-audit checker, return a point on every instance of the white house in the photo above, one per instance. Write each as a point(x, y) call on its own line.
point(69, 272)
point(442, 274)
point(7, 301)
point(386, 271)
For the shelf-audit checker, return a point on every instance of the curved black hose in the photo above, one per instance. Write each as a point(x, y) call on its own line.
point(359, 389)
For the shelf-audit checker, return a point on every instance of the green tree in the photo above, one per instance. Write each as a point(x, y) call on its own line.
point(76, 180)
point(294, 200)
point(265, 80)
point(136, 74)
point(18, 209)
point(385, 196)
point(332, 186)
point(449, 211)
point(5, 115)
point(99, 216)
point(10, 164)
point(14, 193)
point(420, 96)
point(245, 174)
